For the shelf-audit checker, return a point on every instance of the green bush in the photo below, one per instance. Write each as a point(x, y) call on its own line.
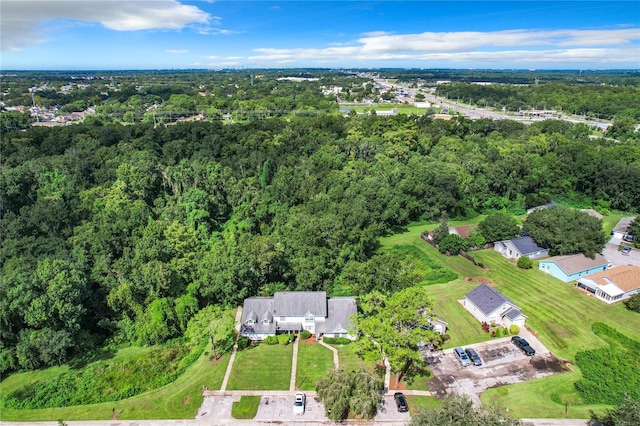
point(270, 340)
point(524, 262)
point(305, 334)
point(243, 342)
point(285, 339)
point(633, 303)
point(514, 329)
point(336, 340)
point(609, 374)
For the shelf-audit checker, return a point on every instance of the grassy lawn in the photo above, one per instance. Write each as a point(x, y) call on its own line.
point(262, 367)
point(559, 314)
point(178, 400)
point(421, 402)
point(246, 408)
point(314, 360)
point(348, 358)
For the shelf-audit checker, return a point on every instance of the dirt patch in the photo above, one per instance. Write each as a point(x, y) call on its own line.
point(309, 342)
point(115, 414)
point(185, 400)
point(549, 363)
point(393, 384)
point(480, 280)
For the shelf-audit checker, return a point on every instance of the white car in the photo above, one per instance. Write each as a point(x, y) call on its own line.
point(298, 404)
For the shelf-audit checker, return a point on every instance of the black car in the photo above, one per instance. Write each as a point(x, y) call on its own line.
point(401, 402)
point(523, 345)
point(473, 356)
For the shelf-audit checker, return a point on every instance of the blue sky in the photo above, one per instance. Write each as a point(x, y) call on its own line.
point(164, 34)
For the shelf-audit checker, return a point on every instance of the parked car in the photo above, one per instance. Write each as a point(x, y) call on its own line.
point(523, 345)
point(401, 402)
point(629, 238)
point(473, 356)
point(298, 403)
point(626, 250)
point(462, 356)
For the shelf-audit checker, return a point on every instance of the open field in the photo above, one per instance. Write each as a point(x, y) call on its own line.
point(262, 367)
point(314, 360)
point(180, 399)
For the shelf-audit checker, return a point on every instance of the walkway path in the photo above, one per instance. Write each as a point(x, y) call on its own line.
point(294, 365)
point(336, 360)
point(232, 358)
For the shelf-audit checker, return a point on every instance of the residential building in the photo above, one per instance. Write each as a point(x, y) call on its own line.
point(487, 304)
point(614, 284)
point(521, 246)
point(573, 266)
point(292, 312)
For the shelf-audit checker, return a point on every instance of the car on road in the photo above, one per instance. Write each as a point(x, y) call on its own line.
point(523, 345)
point(473, 356)
point(626, 250)
point(298, 403)
point(462, 356)
point(401, 402)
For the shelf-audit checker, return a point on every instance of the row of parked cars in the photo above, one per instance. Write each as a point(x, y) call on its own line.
point(469, 356)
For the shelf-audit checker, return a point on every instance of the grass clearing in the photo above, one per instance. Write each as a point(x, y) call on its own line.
point(349, 360)
point(314, 360)
point(178, 400)
point(416, 403)
point(262, 367)
point(246, 408)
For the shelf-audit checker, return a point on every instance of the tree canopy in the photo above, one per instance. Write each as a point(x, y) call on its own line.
point(459, 410)
point(343, 391)
point(566, 230)
point(498, 226)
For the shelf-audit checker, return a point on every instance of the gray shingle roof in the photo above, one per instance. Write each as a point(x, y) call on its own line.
point(574, 263)
point(340, 309)
point(487, 299)
point(300, 303)
point(526, 245)
point(513, 313)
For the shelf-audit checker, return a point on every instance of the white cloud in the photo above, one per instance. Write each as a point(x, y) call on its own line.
point(234, 58)
point(22, 21)
point(177, 51)
point(212, 57)
point(513, 46)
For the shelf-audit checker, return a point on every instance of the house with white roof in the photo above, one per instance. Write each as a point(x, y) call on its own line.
point(521, 246)
point(294, 311)
point(572, 266)
point(487, 304)
point(613, 285)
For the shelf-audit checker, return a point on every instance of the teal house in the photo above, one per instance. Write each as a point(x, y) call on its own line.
point(573, 266)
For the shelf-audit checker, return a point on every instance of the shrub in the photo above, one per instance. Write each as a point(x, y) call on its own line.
point(493, 333)
point(524, 262)
point(485, 327)
point(514, 329)
point(270, 340)
point(305, 334)
point(336, 340)
point(243, 342)
point(633, 303)
point(285, 339)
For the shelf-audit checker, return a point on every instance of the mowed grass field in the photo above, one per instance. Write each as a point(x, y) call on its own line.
point(262, 367)
point(177, 400)
point(314, 360)
point(561, 316)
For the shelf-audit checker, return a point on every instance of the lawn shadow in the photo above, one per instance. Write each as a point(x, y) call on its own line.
point(83, 360)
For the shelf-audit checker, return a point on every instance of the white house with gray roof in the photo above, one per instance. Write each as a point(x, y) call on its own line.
point(521, 246)
point(488, 305)
point(294, 311)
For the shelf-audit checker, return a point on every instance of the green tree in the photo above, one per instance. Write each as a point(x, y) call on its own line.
point(565, 231)
point(633, 303)
point(394, 325)
point(498, 226)
point(342, 391)
point(625, 414)
point(458, 410)
point(452, 243)
point(440, 232)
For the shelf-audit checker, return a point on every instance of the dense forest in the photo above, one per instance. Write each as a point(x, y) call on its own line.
point(117, 235)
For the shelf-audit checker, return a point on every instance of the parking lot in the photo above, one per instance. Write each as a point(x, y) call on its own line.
point(281, 408)
point(502, 363)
